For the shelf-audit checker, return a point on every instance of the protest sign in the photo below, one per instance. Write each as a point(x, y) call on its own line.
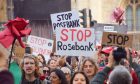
point(109, 29)
point(40, 45)
point(75, 41)
point(68, 19)
point(19, 51)
point(117, 39)
point(100, 28)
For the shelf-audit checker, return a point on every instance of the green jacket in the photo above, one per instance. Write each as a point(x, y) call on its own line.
point(16, 72)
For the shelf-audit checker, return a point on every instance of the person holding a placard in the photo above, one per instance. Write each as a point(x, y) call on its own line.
point(119, 75)
point(15, 68)
point(5, 76)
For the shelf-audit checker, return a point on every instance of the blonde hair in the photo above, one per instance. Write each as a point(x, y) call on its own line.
point(36, 65)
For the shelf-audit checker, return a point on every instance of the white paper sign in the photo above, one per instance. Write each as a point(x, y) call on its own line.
point(98, 37)
point(108, 28)
point(75, 41)
point(40, 45)
point(68, 19)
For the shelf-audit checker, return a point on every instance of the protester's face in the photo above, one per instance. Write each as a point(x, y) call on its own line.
point(52, 64)
point(54, 78)
point(41, 68)
point(46, 71)
point(40, 58)
point(29, 66)
point(89, 68)
point(54, 57)
point(79, 79)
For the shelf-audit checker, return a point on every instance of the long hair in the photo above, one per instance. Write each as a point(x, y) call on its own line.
point(44, 61)
point(86, 78)
point(61, 76)
point(93, 62)
point(36, 65)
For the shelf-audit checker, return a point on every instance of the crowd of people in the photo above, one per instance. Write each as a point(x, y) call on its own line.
point(113, 66)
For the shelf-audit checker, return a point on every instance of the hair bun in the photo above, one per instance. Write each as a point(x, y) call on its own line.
point(119, 53)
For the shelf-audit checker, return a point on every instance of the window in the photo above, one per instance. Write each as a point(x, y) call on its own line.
point(129, 18)
point(138, 18)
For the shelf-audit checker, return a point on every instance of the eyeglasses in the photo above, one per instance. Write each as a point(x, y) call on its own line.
point(44, 71)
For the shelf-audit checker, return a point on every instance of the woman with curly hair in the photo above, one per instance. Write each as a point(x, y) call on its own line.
point(30, 68)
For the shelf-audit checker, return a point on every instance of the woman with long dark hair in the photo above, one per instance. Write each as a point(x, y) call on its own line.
point(79, 78)
point(58, 77)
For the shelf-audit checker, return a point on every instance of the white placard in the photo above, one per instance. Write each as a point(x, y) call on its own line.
point(108, 28)
point(75, 41)
point(40, 45)
point(68, 19)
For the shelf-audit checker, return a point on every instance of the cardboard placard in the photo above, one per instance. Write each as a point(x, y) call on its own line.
point(117, 39)
point(19, 51)
point(101, 27)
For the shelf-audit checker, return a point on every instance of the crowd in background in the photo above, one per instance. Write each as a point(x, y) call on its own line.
point(114, 65)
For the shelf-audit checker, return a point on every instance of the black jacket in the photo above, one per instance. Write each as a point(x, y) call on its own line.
point(36, 81)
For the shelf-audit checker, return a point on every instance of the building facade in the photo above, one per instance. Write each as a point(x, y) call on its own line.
point(101, 11)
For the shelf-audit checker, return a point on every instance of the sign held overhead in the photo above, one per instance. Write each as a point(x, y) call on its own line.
point(68, 19)
point(116, 39)
point(75, 41)
point(40, 45)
